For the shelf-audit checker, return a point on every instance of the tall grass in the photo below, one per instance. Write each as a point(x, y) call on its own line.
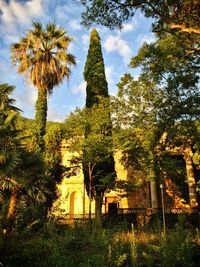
point(77, 246)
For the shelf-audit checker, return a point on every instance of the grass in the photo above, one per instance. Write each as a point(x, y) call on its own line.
point(77, 246)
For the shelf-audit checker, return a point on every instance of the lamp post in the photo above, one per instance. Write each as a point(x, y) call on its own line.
point(163, 208)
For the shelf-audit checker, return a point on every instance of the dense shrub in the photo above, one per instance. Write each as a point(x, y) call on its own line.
point(78, 246)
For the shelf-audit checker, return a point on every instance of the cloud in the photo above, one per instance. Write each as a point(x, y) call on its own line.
point(26, 99)
point(11, 38)
point(117, 44)
point(16, 16)
point(61, 12)
point(75, 25)
point(85, 40)
point(148, 38)
point(16, 12)
point(29, 97)
point(80, 88)
point(53, 115)
point(129, 27)
point(109, 73)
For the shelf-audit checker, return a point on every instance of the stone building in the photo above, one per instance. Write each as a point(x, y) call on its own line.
point(73, 201)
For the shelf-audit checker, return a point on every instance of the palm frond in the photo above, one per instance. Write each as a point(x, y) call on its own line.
point(42, 55)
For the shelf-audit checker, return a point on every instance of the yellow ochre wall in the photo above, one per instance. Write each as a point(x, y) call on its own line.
point(73, 200)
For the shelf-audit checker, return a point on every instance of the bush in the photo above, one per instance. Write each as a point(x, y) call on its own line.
point(78, 246)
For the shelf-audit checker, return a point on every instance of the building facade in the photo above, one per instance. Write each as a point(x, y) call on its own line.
point(73, 201)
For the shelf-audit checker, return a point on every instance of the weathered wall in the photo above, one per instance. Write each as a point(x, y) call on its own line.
point(73, 199)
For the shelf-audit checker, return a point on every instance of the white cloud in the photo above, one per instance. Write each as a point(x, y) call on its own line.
point(85, 40)
point(80, 88)
point(117, 44)
point(53, 115)
point(148, 38)
point(75, 25)
point(128, 27)
point(26, 99)
point(16, 12)
point(31, 95)
point(11, 38)
point(61, 12)
point(109, 73)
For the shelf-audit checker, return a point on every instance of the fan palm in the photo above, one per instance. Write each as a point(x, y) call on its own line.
point(21, 171)
point(6, 103)
point(42, 56)
point(8, 114)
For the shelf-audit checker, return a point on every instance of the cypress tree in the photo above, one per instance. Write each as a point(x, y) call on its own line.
point(97, 96)
point(94, 72)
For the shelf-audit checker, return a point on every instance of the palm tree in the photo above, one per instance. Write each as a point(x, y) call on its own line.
point(21, 171)
point(42, 56)
point(6, 103)
point(8, 114)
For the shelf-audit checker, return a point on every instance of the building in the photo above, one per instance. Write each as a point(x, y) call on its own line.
point(73, 201)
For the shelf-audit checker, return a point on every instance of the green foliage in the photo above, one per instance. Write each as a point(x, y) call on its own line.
point(159, 110)
point(42, 56)
point(94, 72)
point(77, 246)
point(135, 125)
point(74, 124)
point(97, 148)
point(6, 103)
point(94, 149)
point(176, 78)
point(181, 15)
point(9, 155)
point(178, 250)
point(54, 169)
point(21, 170)
point(40, 118)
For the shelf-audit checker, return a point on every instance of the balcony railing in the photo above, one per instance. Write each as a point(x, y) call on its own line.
point(128, 212)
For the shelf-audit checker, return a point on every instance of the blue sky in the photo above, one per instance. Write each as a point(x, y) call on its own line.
point(118, 47)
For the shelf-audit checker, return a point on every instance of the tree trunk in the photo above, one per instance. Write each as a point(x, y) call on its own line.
point(12, 204)
point(98, 205)
point(11, 209)
point(154, 194)
point(41, 118)
point(190, 177)
point(5, 234)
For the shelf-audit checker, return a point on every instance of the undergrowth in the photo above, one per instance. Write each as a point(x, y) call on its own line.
point(78, 246)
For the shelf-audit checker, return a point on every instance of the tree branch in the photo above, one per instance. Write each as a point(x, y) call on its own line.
point(185, 29)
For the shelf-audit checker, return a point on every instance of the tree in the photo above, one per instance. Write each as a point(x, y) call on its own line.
point(97, 95)
point(9, 157)
point(42, 56)
point(166, 64)
point(135, 127)
point(54, 168)
point(94, 72)
point(20, 170)
point(181, 15)
point(165, 102)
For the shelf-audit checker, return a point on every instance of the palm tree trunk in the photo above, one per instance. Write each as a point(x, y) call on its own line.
point(12, 204)
point(41, 118)
point(5, 234)
point(12, 208)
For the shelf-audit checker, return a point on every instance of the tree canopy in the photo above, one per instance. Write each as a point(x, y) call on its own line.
point(182, 15)
point(42, 56)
